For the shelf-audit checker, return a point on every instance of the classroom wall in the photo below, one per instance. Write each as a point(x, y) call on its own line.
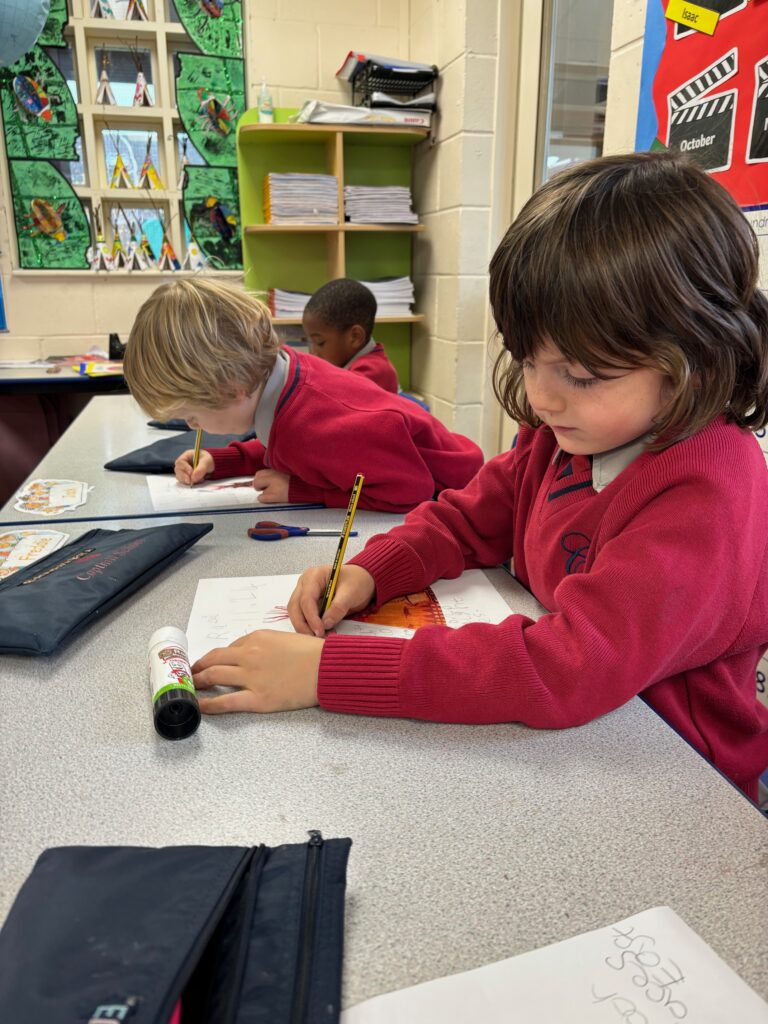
point(453, 193)
point(624, 75)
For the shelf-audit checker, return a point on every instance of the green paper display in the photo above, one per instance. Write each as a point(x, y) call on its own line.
point(210, 95)
point(51, 226)
point(211, 203)
point(216, 26)
point(53, 30)
point(39, 114)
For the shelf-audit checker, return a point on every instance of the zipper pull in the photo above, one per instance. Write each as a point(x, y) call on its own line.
point(315, 837)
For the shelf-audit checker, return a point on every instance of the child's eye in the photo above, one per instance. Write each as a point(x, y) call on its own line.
point(579, 382)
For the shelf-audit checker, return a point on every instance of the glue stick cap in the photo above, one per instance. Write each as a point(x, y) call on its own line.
point(174, 702)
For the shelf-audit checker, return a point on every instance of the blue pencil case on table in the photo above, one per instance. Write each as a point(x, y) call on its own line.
point(49, 601)
point(189, 934)
point(160, 456)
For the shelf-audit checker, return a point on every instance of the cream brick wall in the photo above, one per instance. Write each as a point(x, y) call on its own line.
point(624, 75)
point(453, 193)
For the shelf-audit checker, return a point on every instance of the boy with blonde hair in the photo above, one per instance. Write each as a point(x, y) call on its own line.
point(208, 354)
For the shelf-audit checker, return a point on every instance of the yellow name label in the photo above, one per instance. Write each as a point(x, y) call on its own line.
point(693, 16)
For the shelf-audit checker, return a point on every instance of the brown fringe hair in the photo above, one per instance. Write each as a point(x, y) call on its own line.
point(640, 260)
point(194, 344)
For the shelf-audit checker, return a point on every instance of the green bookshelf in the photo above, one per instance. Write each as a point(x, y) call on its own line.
point(301, 257)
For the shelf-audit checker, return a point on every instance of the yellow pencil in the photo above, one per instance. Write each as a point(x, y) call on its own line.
point(196, 456)
point(333, 579)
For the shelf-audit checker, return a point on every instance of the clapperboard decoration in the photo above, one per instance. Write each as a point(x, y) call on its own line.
point(702, 125)
point(723, 8)
point(758, 130)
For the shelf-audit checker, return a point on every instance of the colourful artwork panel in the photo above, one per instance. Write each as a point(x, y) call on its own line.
point(212, 210)
point(210, 95)
point(51, 227)
point(53, 30)
point(216, 26)
point(39, 114)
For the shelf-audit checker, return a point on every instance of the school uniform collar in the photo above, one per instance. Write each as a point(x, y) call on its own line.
point(366, 350)
point(265, 410)
point(606, 466)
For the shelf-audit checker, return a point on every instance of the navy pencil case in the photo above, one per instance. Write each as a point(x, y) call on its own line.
point(160, 456)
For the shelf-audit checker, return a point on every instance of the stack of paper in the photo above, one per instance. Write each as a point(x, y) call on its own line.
point(301, 199)
point(283, 303)
point(394, 296)
point(385, 204)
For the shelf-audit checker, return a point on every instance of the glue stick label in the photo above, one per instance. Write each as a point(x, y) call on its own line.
point(169, 662)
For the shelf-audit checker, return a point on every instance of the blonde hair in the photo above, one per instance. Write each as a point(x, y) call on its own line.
point(194, 344)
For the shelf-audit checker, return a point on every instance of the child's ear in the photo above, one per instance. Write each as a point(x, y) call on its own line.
point(356, 337)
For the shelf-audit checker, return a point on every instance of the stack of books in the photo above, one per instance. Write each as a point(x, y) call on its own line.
point(384, 204)
point(289, 305)
point(301, 199)
point(394, 296)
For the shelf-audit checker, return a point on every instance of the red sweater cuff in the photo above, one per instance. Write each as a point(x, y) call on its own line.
point(226, 462)
point(395, 567)
point(359, 675)
point(301, 493)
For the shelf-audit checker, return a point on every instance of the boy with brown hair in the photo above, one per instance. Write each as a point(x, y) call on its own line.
point(208, 354)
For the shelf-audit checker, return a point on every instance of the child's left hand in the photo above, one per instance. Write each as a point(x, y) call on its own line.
point(273, 486)
point(267, 670)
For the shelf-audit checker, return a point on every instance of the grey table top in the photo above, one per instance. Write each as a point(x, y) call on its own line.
point(470, 843)
point(110, 425)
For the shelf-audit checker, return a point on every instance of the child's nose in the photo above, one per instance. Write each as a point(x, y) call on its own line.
point(545, 397)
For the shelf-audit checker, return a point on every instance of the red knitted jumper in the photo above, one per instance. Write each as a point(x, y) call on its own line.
point(656, 585)
point(330, 425)
point(376, 367)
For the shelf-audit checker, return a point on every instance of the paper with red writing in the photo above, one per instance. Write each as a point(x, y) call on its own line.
point(51, 497)
point(649, 969)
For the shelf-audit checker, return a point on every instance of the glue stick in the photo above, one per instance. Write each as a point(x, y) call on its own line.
point(174, 702)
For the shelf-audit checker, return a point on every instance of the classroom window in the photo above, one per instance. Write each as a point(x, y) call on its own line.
point(576, 52)
point(123, 65)
point(73, 170)
point(133, 147)
point(64, 59)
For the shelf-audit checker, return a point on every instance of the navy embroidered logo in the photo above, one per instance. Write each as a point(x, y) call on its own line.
point(576, 546)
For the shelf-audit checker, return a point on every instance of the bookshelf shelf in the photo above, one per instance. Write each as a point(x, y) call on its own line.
point(415, 319)
point(302, 257)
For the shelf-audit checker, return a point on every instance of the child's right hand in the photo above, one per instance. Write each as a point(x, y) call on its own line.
point(183, 467)
point(354, 591)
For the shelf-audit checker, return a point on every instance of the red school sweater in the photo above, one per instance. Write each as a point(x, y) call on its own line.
point(330, 425)
point(657, 585)
point(376, 367)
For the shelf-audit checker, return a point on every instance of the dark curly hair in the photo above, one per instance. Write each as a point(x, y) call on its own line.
point(344, 303)
point(640, 260)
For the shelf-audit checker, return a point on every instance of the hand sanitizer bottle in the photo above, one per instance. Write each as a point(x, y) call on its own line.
point(266, 110)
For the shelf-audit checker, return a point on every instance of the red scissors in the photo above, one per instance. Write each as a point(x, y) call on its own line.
point(266, 530)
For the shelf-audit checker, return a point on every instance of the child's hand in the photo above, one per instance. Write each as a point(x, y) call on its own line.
point(354, 591)
point(267, 670)
point(273, 486)
point(183, 467)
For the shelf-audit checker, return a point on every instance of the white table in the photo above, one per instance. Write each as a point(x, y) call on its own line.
point(470, 843)
point(109, 426)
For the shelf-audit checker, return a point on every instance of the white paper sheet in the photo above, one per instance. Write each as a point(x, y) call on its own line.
point(168, 495)
point(649, 969)
point(225, 609)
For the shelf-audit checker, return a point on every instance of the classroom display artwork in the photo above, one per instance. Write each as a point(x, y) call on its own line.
point(707, 95)
point(210, 95)
point(215, 26)
point(51, 227)
point(212, 210)
point(39, 114)
point(51, 497)
point(225, 609)
point(20, 548)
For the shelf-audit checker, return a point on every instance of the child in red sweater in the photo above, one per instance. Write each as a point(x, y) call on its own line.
point(208, 354)
point(338, 324)
point(633, 504)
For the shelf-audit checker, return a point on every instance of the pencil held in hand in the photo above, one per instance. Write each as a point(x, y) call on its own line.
point(196, 456)
point(333, 579)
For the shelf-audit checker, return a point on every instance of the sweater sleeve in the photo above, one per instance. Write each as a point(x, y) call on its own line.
point(640, 615)
point(239, 458)
point(397, 478)
point(467, 529)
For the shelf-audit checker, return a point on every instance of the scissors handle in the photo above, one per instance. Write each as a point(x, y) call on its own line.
point(265, 529)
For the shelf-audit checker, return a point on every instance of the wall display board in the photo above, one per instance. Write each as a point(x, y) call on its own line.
point(120, 137)
point(704, 91)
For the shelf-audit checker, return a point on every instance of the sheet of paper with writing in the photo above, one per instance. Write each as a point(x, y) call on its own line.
point(168, 495)
point(225, 609)
point(649, 969)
